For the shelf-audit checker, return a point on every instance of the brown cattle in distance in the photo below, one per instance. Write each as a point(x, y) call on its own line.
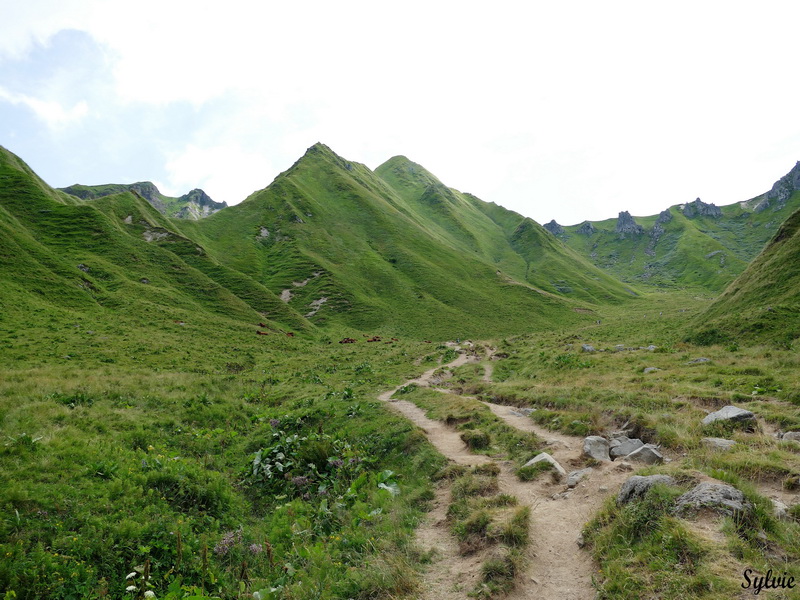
point(347, 341)
point(262, 332)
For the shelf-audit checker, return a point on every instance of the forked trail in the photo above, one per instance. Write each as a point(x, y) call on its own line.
point(558, 567)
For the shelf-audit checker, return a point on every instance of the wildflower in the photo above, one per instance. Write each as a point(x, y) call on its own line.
point(337, 462)
point(149, 594)
point(130, 575)
point(130, 588)
point(256, 548)
point(274, 422)
point(301, 480)
point(228, 541)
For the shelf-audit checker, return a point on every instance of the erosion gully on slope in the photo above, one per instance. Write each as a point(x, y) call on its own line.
point(558, 567)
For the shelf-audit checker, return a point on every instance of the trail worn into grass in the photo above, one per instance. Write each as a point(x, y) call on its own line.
point(558, 567)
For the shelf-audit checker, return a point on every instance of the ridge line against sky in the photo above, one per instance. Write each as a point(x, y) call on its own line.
point(565, 111)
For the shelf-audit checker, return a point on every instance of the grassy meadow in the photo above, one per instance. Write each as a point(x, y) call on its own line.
point(208, 463)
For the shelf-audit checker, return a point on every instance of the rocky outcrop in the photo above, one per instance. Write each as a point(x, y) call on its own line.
point(586, 228)
point(198, 205)
point(717, 497)
point(636, 487)
point(782, 190)
point(626, 224)
point(554, 227)
point(698, 208)
point(194, 205)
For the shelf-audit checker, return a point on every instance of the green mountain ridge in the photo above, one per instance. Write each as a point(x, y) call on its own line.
point(394, 248)
point(693, 245)
point(329, 244)
point(194, 205)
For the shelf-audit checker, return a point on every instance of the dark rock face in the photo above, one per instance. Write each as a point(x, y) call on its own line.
point(626, 224)
point(783, 189)
point(698, 208)
point(586, 229)
point(554, 227)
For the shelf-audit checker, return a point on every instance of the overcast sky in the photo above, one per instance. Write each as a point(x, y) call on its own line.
point(558, 110)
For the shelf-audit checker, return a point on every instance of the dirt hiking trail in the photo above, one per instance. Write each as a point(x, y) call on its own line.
point(558, 567)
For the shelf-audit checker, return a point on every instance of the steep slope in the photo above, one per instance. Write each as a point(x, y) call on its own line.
point(695, 244)
point(114, 263)
point(763, 303)
point(519, 247)
point(194, 205)
point(359, 249)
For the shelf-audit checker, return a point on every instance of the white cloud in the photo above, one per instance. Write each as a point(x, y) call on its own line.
point(49, 111)
point(558, 110)
point(225, 172)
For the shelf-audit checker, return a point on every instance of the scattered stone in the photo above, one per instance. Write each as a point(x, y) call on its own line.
point(696, 361)
point(602, 489)
point(544, 456)
point(580, 541)
point(596, 447)
point(587, 348)
point(718, 443)
point(718, 497)
point(619, 348)
point(647, 454)
point(730, 414)
point(84, 268)
point(636, 487)
point(623, 466)
point(623, 446)
point(793, 436)
point(144, 280)
point(780, 510)
point(128, 220)
point(651, 348)
point(651, 369)
point(575, 476)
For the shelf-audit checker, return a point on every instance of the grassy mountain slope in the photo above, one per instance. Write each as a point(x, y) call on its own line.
point(683, 246)
point(763, 303)
point(111, 264)
point(404, 256)
point(517, 246)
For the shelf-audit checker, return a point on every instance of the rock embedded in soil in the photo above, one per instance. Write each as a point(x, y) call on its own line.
point(596, 447)
point(544, 456)
point(730, 413)
point(587, 348)
point(718, 443)
point(636, 487)
point(793, 436)
point(719, 497)
point(575, 476)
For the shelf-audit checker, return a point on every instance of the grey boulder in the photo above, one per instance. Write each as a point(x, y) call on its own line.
point(596, 447)
point(717, 497)
point(730, 413)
